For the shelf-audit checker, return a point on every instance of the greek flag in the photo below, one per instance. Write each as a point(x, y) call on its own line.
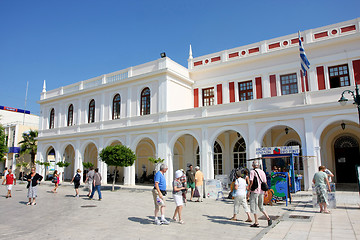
point(305, 64)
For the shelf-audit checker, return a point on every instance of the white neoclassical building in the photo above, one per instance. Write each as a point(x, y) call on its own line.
point(218, 110)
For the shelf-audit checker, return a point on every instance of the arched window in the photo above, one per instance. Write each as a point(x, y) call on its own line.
point(217, 159)
point(91, 118)
point(240, 153)
point(116, 107)
point(70, 115)
point(145, 102)
point(52, 118)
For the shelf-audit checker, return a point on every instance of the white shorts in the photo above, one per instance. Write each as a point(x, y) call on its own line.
point(178, 200)
point(9, 187)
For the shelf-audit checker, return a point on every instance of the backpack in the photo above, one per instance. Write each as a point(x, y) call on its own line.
point(255, 184)
point(77, 178)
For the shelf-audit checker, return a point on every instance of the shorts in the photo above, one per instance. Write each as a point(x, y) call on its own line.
point(256, 202)
point(178, 200)
point(191, 185)
point(9, 187)
point(155, 195)
point(76, 185)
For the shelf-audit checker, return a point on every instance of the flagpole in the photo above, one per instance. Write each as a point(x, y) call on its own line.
point(27, 86)
point(302, 73)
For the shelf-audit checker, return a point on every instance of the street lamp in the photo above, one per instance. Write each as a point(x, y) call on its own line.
point(356, 98)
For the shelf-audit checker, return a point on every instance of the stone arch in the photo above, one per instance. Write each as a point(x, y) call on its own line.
point(145, 148)
point(68, 155)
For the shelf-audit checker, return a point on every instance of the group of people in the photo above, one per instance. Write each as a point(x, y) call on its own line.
point(182, 181)
point(93, 180)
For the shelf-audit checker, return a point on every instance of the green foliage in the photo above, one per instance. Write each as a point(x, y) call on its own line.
point(46, 164)
point(87, 165)
point(63, 164)
point(29, 144)
point(156, 161)
point(3, 147)
point(118, 155)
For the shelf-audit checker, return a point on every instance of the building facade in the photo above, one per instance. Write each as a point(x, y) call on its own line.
point(216, 112)
point(16, 122)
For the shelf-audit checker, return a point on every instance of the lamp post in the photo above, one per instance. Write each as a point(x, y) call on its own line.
point(356, 98)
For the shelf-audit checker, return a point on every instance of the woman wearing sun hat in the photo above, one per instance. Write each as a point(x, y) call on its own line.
point(177, 194)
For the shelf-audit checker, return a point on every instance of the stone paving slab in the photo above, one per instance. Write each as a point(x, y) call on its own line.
point(128, 214)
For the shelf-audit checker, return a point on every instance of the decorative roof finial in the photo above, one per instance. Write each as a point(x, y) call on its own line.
point(190, 53)
point(44, 86)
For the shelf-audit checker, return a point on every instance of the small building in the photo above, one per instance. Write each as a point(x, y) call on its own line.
point(16, 122)
point(218, 110)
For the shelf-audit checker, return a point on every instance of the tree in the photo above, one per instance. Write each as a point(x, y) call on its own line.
point(87, 165)
point(28, 145)
point(22, 165)
point(3, 147)
point(118, 156)
point(157, 162)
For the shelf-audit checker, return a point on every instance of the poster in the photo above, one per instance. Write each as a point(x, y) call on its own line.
point(279, 184)
point(213, 189)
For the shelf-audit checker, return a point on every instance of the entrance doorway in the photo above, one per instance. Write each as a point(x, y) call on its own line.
point(346, 157)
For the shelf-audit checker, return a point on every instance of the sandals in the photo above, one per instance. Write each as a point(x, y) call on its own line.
point(233, 219)
point(248, 220)
point(255, 225)
point(181, 222)
point(327, 212)
point(33, 204)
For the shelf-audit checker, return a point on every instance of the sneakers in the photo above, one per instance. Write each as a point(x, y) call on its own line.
point(165, 222)
point(157, 222)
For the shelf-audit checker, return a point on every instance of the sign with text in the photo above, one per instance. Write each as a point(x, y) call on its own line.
point(278, 150)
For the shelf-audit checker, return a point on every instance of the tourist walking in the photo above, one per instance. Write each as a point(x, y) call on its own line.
point(33, 179)
point(321, 183)
point(89, 180)
point(159, 193)
point(190, 177)
point(177, 194)
point(199, 183)
point(257, 176)
point(10, 180)
point(76, 180)
point(96, 184)
point(56, 180)
point(240, 196)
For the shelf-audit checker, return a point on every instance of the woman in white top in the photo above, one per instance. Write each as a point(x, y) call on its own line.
point(240, 196)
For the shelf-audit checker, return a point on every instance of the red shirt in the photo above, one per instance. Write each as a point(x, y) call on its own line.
point(9, 179)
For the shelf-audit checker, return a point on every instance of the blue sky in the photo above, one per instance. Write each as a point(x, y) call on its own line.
point(69, 41)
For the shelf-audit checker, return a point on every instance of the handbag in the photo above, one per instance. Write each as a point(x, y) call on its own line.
point(264, 186)
point(54, 180)
point(196, 193)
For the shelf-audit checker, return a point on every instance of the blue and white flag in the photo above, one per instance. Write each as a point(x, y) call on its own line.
point(305, 64)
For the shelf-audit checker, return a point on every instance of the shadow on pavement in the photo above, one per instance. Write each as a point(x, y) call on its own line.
point(23, 202)
point(141, 220)
point(225, 220)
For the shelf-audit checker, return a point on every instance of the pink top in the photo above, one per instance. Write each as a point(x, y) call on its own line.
point(262, 176)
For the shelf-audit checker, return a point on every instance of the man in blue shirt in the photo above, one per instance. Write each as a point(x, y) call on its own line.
point(159, 193)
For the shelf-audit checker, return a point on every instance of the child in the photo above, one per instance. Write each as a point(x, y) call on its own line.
point(10, 181)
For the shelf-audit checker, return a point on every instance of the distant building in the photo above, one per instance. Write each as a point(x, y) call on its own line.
point(218, 111)
point(16, 122)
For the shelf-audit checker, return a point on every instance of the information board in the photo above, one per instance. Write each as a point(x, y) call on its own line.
point(213, 189)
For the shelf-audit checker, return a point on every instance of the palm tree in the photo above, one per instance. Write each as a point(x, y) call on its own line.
point(28, 144)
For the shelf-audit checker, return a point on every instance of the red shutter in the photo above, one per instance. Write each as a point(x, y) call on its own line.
point(273, 85)
point(232, 91)
point(258, 87)
point(219, 93)
point(320, 77)
point(356, 66)
point(196, 97)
